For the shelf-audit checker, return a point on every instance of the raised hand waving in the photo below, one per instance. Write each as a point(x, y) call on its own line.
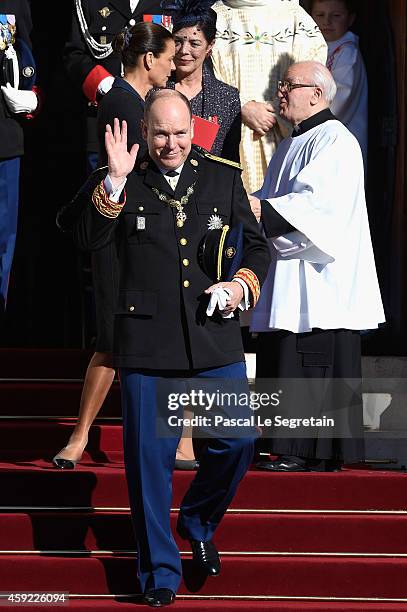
point(121, 162)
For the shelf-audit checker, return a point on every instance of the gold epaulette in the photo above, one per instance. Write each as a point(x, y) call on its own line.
point(222, 160)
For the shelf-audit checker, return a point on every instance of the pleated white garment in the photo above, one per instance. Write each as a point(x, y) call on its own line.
point(323, 275)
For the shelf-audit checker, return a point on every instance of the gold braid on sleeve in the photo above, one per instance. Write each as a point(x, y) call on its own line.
point(106, 207)
point(251, 281)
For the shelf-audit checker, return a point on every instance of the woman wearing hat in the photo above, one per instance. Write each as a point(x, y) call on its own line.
point(194, 32)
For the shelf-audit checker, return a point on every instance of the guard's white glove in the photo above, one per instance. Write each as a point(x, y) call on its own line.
point(219, 298)
point(19, 100)
point(105, 85)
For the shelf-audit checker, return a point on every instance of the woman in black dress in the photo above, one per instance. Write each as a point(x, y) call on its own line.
point(147, 51)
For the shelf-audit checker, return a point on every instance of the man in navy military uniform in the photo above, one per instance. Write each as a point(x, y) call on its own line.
point(17, 102)
point(164, 329)
point(89, 58)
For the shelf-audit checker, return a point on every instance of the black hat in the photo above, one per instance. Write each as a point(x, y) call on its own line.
point(189, 12)
point(220, 252)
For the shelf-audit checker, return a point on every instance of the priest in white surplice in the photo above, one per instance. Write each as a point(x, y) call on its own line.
point(322, 286)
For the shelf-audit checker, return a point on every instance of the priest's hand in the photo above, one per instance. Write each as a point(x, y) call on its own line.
point(259, 116)
point(120, 161)
point(255, 205)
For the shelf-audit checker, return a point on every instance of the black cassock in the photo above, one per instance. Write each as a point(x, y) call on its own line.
point(321, 355)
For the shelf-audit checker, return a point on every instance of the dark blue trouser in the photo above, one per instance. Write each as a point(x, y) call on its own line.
point(9, 189)
point(149, 461)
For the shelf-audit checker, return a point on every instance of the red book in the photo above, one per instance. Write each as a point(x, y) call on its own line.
point(205, 132)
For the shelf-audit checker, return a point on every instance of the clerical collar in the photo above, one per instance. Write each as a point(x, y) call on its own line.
point(311, 122)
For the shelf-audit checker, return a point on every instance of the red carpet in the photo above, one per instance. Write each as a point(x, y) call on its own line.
point(103, 484)
point(254, 532)
point(285, 576)
point(70, 531)
point(188, 605)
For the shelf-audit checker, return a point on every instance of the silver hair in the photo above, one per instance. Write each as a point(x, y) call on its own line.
point(324, 79)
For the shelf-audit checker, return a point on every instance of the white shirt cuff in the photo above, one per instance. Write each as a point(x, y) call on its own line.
point(114, 193)
point(105, 85)
point(245, 303)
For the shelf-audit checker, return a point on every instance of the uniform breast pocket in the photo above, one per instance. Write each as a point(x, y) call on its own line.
point(103, 29)
point(213, 215)
point(142, 228)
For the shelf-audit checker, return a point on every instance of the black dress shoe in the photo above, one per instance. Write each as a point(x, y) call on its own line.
point(206, 556)
point(282, 465)
point(157, 598)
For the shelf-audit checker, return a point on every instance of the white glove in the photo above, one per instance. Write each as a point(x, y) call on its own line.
point(105, 85)
point(19, 100)
point(219, 298)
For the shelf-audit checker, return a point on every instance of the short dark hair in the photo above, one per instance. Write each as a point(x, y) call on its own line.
point(156, 94)
point(350, 5)
point(144, 37)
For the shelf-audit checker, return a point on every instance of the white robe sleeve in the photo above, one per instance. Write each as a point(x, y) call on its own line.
point(344, 75)
point(318, 204)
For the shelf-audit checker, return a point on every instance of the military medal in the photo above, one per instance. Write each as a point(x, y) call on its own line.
point(141, 223)
point(215, 222)
point(180, 216)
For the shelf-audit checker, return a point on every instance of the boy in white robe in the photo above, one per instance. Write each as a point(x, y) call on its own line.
point(322, 285)
point(350, 105)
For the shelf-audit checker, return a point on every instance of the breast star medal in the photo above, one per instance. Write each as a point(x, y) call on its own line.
point(215, 222)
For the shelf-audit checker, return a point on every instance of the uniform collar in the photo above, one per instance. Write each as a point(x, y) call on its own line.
point(154, 176)
point(311, 122)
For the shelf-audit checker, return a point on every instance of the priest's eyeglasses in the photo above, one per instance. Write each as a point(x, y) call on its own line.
point(288, 86)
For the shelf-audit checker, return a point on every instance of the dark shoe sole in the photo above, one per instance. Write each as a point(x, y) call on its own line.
point(268, 467)
point(64, 464)
point(186, 464)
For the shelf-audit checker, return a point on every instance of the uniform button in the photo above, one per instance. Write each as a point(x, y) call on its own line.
point(141, 207)
point(183, 241)
point(186, 283)
point(215, 210)
point(132, 22)
point(185, 262)
point(131, 308)
point(103, 28)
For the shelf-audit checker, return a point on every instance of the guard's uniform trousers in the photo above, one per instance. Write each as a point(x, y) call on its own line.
point(15, 24)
